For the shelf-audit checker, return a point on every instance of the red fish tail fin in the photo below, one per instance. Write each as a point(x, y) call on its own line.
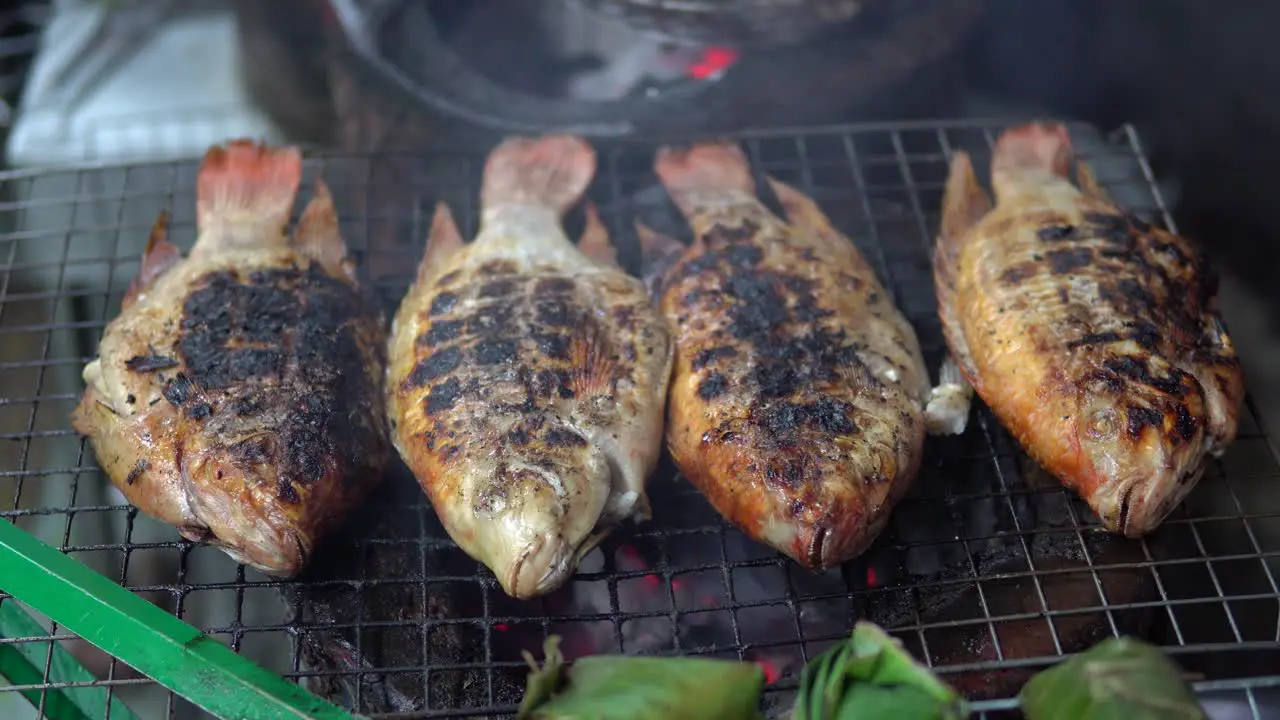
point(706, 172)
point(247, 190)
point(1033, 147)
point(552, 171)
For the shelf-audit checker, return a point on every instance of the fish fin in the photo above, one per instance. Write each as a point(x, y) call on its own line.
point(247, 190)
point(801, 210)
point(1088, 182)
point(593, 363)
point(1034, 146)
point(317, 235)
point(552, 171)
point(964, 204)
point(594, 242)
point(1030, 153)
point(947, 412)
point(443, 241)
point(659, 254)
point(159, 256)
point(705, 172)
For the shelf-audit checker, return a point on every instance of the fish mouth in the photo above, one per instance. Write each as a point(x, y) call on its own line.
point(1136, 506)
point(546, 564)
point(534, 572)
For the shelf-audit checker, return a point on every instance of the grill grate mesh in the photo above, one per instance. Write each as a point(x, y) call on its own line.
point(988, 570)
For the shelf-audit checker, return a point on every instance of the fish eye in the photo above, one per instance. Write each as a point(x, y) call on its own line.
point(1102, 424)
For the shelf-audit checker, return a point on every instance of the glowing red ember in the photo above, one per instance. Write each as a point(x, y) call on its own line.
point(713, 61)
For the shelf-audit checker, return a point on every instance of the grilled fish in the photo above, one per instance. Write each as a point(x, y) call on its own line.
point(796, 403)
point(238, 394)
point(1091, 334)
point(527, 376)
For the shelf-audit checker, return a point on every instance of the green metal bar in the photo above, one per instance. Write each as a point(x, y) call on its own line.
point(22, 663)
point(157, 644)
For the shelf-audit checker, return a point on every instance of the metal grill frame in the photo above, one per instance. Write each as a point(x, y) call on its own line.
point(914, 153)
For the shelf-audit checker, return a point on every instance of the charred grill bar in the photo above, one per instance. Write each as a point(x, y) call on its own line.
point(987, 571)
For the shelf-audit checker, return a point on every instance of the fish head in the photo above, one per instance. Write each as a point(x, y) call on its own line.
point(534, 520)
point(1142, 449)
point(255, 506)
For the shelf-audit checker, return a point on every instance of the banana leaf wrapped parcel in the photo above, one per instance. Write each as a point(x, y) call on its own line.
point(870, 675)
point(618, 687)
point(1117, 679)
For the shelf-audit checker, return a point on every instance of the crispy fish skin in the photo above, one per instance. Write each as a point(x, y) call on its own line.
point(238, 394)
point(1091, 334)
point(797, 396)
point(527, 376)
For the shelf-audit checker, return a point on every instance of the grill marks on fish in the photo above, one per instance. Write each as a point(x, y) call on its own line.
point(774, 317)
point(519, 353)
point(797, 400)
point(238, 394)
point(1131, 282)
point(1133, 285)
point(150, 363)
point(1058, 298)
point(278, 348)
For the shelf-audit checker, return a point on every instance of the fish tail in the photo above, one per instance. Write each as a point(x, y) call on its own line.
point(552, 171)
point(245, 192)
point(1033, 148)
point(706, 172)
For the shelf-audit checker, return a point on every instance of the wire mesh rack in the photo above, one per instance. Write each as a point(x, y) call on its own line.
point(988, 572)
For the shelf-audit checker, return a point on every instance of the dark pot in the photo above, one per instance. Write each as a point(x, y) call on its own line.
point(740, 23)
point(895, 60)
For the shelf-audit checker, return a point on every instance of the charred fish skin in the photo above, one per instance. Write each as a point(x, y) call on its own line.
point(528, 376)
point(798, 390)
point(1091, 334)
point(238, 394)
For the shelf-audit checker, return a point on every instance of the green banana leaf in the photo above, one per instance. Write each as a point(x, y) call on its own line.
point(1117, 679)
point(617, 687)
point(22, 663)
point(870, 675)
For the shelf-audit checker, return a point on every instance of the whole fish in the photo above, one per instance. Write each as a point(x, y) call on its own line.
point(1091, 334)
point(527, 376)
point(796, 403)
point(238, 394)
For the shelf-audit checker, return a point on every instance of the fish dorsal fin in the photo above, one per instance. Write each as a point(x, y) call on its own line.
point(159, 256)
point(964, 202)
point(318, 236)
point(594, 242)
point(444, 239)
point(802, 212)
point(245, 193)
point(658, 254)
point(1088, 182)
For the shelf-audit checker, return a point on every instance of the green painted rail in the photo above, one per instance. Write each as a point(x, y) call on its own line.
point(25, 663)
point(157, 644)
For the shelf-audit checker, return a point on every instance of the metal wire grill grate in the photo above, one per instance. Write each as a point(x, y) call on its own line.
point(988, 571)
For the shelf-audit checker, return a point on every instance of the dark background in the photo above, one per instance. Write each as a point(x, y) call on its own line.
point(1199, 79)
